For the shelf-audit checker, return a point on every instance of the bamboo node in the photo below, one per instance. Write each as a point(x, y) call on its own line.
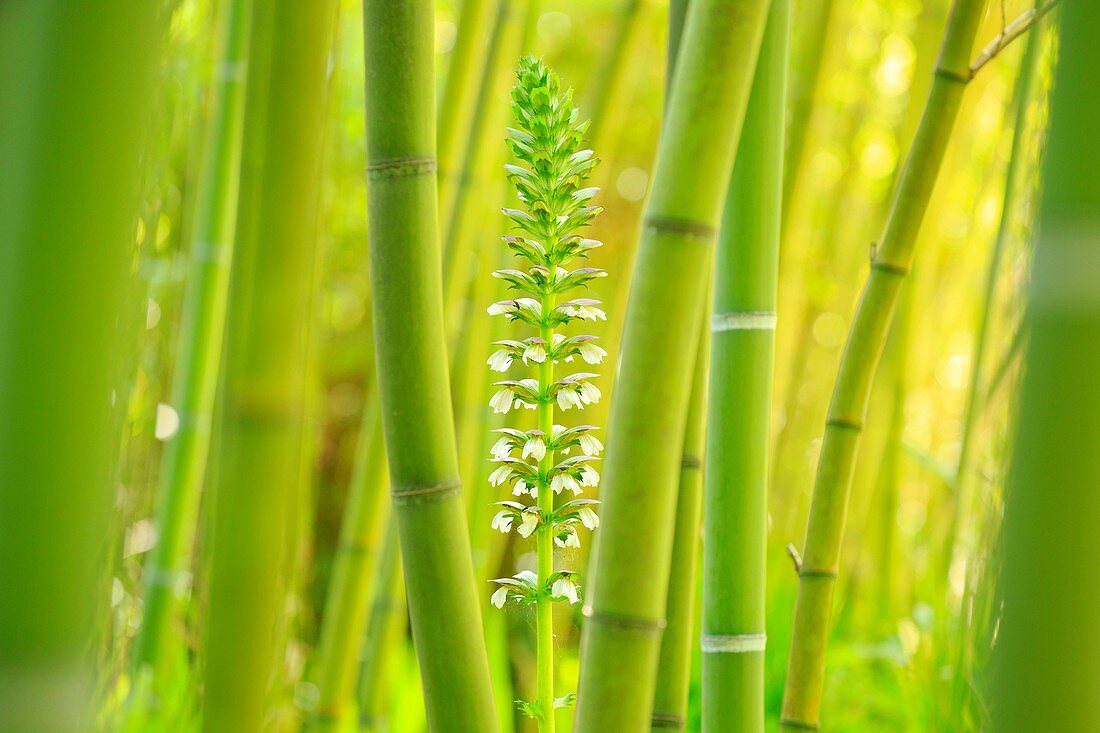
point(743, 321)
point(845, 423)
point(805, 572)
point(798, 724)
point(955, 76)
point(400, 168)
point(733, 643)
point(425, 494)
point(699, 230)
point(690, 461)
point(625, 622)
point(890, 268)
point(668, 721)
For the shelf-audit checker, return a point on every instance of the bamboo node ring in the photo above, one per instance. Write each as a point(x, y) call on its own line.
point(733, 643)
point(671, 225)
point(890, 268)
point(426, 494)
point(647, 626)
point(667, 721)
point(955, 76)
point(805, 572)
point(798, 724)
point(743, 321)
point(400, 168)
point(690, 461)
point(844, 422)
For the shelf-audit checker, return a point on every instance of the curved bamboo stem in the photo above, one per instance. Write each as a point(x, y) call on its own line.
point(862, 352)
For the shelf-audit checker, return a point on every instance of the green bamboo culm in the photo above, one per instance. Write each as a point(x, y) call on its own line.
point(412, 366)
point(862, 352)
point(670, 699)
point(69, 197)
point(738, 422)
point(265, 387)
point(202, 329)
point(1047, 658)
point(549, 183)
point(628, 590)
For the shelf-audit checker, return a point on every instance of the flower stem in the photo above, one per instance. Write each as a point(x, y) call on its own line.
point(544, 539)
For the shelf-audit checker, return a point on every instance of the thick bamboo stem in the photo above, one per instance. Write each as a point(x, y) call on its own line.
point(267, 356)
point(202, 331)
point(77, 85)
point(862, 352)
point(739, 415)
point(1047, 657)
point(629, 586)
point(412, 367)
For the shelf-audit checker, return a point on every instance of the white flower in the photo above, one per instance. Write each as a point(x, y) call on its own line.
point(590, 394)
point(535, 351)
point(590, 352)
point(563, 480)
point(500, 361)
point(588, 518)
point(530, 520)
point(568, 398)
point(501, 402)
point(589, 476)
point(502, 448)
point(520, 488)
point(590, 444)
point(497, 309)
point(500, 597)
point(564, 587)
point(500, 475)
point(503, 521)
point(536, 447)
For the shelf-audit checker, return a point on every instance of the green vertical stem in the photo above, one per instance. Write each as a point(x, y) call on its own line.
point(384, 637)
point(267, 355)
point(77, 86)
point(739, 414)
point(544, 539)
point(1047, 657)
point(629, 586)
point(862, 352)
point(457, 104)
point(412, 366)
point(346, 610)
point(607, 100)
point(670, 700)
point(202, 330)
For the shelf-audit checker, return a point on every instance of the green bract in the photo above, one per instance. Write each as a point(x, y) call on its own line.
point(554, 206)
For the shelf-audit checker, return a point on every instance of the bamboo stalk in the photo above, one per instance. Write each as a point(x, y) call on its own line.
point(670, 701)
point(72, 125)
point(263, 424)
point(412, 366)
point(862, 352)
point(739, 419)
point(628, 590)
point(384, 637)
point(607, 99)
point(1047, 658)
point(183, 466)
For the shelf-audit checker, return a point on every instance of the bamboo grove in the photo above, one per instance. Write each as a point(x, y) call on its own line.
point(549, 366)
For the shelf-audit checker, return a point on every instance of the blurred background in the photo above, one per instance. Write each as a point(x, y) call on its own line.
point(918, 596)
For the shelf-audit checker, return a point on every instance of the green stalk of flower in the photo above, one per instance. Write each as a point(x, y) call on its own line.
point(201, 335)
point(739, 427)
point(412, 366)
point(710, 89)
point(556, 207)
point(267, 352)
point(77, 84)
point(862, 352)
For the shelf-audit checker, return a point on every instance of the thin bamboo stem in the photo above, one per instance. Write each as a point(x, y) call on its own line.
point(412, 367)
point(670, 701)
point(629, 585)
point(862, 352)
point(77, 85)
point(202, 332)
point(739, 416)
point(267, 359)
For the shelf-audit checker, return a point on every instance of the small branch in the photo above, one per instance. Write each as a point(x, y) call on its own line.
point(1010, 33)
point(795, 557)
